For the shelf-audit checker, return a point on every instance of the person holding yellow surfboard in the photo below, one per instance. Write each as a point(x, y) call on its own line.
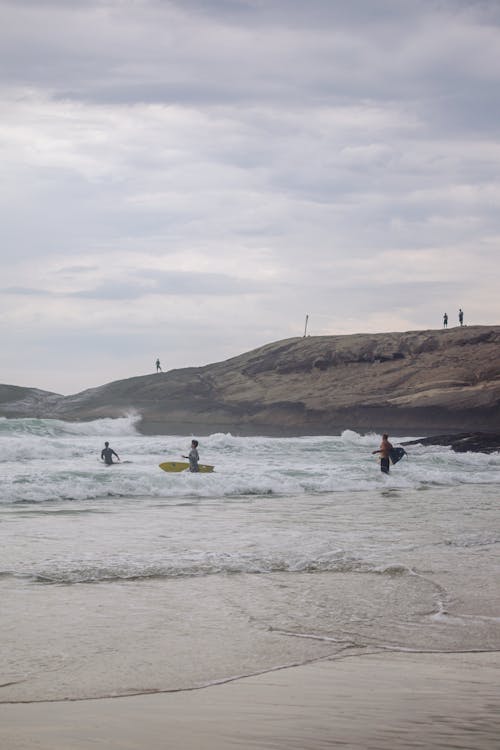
point(192, 466)
point(193, 456)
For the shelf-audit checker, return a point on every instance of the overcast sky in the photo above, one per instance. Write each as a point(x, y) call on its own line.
point(189, 179)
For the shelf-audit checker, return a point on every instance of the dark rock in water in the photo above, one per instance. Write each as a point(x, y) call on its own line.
point(464, 442)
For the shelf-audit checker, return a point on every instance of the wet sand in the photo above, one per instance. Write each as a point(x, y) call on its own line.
point(379, 701)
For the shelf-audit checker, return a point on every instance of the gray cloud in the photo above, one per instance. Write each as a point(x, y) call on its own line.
point(243, 162)
point(173, 283)
point(207, 54)
point(26, 291)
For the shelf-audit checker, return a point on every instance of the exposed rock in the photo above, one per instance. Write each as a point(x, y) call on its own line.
point(18, 401)
point(475, 442)
point(412, 382)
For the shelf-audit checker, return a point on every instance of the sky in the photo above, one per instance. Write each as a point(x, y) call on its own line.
point(189, 179)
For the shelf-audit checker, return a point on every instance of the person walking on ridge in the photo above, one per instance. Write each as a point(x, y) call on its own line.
point(158, 365)
point(445, 320)
point(384, 450)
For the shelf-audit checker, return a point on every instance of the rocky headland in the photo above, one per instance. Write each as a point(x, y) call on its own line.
point(416, 382)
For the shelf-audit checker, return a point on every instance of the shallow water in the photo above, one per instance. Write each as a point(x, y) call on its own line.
point(127, 579)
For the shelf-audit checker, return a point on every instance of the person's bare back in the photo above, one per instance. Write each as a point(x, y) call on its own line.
point(385, 447)
point(385, 451)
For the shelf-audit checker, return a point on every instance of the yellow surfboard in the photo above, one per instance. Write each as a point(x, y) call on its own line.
point(182, 466)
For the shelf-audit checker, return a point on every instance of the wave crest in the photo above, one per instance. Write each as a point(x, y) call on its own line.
point(213, 565)
point(59, 428)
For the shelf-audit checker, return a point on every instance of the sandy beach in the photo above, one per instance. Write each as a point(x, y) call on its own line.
point(391, 700)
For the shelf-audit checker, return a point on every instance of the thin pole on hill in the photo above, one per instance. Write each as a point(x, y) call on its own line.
point(305, 327)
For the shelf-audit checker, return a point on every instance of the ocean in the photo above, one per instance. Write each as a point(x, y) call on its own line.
point(125, 579)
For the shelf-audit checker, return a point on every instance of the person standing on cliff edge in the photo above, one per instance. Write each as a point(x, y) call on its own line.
point(384, 450)
point(445, 320)
point(461, 317)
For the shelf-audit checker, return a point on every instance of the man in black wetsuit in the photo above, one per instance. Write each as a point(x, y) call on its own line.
point(107, 454)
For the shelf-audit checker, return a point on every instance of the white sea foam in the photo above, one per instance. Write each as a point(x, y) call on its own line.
point(50, 460)
point(58, 427)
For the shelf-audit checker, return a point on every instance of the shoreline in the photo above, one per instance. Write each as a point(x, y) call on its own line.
point(397, 700)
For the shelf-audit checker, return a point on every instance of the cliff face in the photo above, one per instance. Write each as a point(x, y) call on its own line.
point(418, 381)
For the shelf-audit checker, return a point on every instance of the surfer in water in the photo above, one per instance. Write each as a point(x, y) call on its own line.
point(193, 456)
point(384, 450)
point(107, 454)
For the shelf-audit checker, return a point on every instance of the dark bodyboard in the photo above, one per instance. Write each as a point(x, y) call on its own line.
point(396, 454)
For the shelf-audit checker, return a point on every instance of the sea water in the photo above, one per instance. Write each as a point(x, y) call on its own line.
point(126, 579)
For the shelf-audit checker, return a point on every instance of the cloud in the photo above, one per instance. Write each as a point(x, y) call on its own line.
point(26, 291)
point(231, 165)
point(205, 54)
point(142, 284)
point(173, 284)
